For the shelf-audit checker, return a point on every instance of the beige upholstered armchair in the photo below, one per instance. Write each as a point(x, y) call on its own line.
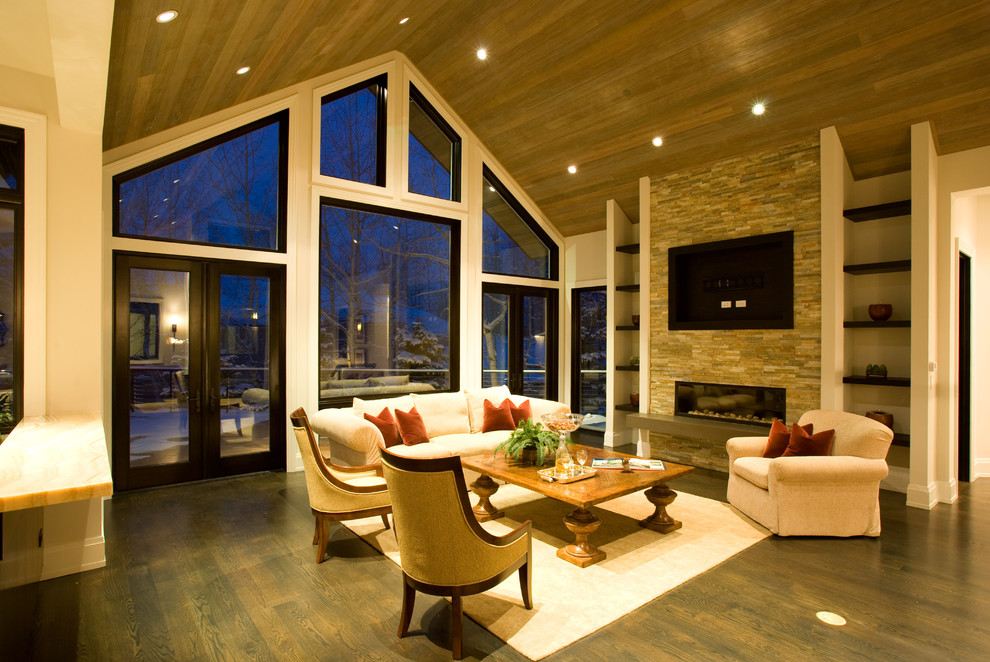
point(337, 493)
point(443, 549)
point(834, 495)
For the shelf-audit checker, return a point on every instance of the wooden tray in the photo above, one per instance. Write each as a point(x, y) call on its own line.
point(548, 475)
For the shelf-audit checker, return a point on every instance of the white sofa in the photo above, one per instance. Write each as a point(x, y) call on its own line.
point(453, 421)
point(834, 495)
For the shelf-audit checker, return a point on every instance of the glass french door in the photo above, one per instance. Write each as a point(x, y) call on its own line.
point(589, 328)
point(198, 356)
point(519, 339)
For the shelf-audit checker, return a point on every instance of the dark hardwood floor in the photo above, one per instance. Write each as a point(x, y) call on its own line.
point(224, 570)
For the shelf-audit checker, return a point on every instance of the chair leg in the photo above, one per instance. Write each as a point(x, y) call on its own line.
point(385, 521)
point(316, 530)
point(408, 601)
point(322, 533)
point(526, 585)
point(456, 624)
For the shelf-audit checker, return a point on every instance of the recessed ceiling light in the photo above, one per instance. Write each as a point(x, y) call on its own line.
point(657, 141)
point(572, 169)
point(482, 54)
point(403, 21)
point(830, 618)
point(759, 108)
point(243, 70)
point(166, 16)
point(491, 188)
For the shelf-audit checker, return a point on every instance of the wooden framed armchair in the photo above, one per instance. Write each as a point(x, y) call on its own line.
point(832, 495)
point(337, 493)
point(443, 548)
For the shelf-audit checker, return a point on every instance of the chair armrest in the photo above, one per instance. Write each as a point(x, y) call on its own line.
point(515, 534)
point(745, 447)
point(837, 470)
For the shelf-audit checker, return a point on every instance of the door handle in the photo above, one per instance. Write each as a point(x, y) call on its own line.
point(194, 399)
point(214, 400)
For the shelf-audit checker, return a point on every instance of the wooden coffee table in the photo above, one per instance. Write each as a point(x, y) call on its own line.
point(605, 485)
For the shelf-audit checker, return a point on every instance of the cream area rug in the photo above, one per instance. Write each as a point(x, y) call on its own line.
point(571, 602)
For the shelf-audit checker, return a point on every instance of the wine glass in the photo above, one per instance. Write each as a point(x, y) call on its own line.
point(582, 458)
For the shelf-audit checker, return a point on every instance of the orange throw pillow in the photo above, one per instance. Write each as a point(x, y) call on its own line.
point(520, 413)
point(498, 418)
point(779, 437)
point(386, 424)
point(411, 427)
point(804, 444)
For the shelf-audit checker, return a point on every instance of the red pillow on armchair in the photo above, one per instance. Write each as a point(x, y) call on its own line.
point(779, 437)
point(804, 444)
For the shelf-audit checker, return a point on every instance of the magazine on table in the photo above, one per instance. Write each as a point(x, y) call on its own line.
point(637, 463)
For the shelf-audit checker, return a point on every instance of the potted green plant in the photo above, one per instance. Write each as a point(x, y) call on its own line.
point(529, 436)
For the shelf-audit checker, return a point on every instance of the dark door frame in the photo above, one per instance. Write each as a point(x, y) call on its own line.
point(964, 403)
point(516, 294)
point(204, 455)
point(575, 344)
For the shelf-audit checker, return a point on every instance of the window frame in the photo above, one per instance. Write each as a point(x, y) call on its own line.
point(381, 128)
point(281, 118)
point(454, 269)
point(457, 145)
point(14, 199)
point(554, 254)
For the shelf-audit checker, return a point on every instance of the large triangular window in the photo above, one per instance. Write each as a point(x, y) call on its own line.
point(513, 244)
point(434, 151)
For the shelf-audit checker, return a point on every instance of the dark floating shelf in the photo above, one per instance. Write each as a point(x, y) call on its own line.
point(628, 249)
point(871, 324)
point(627, 407)
point(874, 212)
point(877, 267)
point(627, 288)
point(877, 381)
point(628, 367)
point(901, 439)
point(627, 327)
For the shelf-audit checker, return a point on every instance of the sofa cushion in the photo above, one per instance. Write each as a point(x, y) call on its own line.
point(804, 444)
point(476, 397)
point(468, 443)
point(779, 437)
point(387, 426)
point(411, 427)
point(403, 402)
point(421, 451)
point(756, 470)
point(443, 413)
point(498, 418)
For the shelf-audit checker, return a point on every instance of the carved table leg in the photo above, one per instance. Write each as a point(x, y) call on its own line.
point(485, 487)
point(660, 496)
point(582, 553)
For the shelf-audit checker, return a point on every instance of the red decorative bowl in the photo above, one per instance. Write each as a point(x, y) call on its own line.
point(880, 311)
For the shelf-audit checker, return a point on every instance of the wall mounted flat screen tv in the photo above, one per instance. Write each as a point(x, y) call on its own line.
point(745, 283)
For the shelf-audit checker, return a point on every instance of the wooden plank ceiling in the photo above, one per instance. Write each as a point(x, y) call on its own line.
point(589, 82)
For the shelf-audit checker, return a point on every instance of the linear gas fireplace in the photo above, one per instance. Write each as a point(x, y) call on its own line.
point(757, 405)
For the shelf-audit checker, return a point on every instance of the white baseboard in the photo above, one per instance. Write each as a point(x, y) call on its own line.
point(922, 496)
point(70, 558)
point(981, 468)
